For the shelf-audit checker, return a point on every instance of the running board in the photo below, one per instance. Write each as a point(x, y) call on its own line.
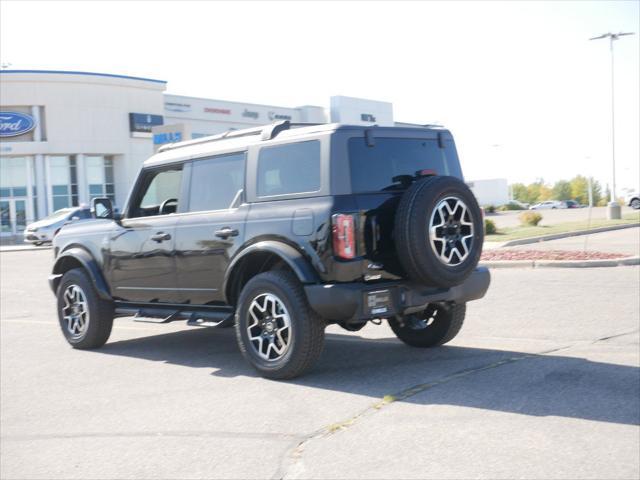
point(196, 318)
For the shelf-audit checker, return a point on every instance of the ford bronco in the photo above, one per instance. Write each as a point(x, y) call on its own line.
point(279, 231)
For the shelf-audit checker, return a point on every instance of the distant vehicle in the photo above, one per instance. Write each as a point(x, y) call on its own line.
point(522, 205)
point(633, 200)
point(572, 204)
point(44, 230)
point(548, 205)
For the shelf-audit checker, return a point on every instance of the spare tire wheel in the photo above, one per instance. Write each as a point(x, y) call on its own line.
point(439, 231)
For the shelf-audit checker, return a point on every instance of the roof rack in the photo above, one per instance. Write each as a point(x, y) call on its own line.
point(266, 132)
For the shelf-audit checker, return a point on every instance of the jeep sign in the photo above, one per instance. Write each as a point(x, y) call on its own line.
point(13, 124)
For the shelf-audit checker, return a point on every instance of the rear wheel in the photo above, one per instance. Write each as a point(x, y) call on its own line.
point(278, 333)
point(437, 325)
point(635, 203)
point(85, 318)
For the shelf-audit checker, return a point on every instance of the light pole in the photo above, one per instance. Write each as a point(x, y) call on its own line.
point(614, 209)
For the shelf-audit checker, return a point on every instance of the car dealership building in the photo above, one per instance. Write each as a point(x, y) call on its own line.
point(68, 137)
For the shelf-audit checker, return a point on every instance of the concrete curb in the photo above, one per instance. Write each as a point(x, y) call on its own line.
point(557, 236)
point(616, 262)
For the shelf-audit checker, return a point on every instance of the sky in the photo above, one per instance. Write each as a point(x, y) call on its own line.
point(523, 90)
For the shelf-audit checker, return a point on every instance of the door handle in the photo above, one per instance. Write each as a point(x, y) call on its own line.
point(160, 237)
point(227, 232)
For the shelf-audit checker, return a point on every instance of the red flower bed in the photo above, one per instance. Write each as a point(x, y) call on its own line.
point(505, 254)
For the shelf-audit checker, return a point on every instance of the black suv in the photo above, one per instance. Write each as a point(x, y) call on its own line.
point(282, 230)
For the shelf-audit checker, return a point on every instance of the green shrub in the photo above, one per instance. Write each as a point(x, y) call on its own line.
point(530, 219)
point(510, 206)
point(490, 227)
point(490, 209)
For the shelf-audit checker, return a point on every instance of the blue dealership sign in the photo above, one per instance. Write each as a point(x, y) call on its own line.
point(144, 122)
point(13, 124)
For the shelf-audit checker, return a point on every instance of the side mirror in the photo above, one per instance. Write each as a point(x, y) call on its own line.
point(102, 208)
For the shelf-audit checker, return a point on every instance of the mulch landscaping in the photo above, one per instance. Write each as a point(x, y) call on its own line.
point(504, 254)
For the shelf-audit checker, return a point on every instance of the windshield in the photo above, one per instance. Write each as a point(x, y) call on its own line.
point(58, 215)
point(393, 163)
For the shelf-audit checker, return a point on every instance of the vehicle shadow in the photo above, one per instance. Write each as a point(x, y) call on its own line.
point(506, 381)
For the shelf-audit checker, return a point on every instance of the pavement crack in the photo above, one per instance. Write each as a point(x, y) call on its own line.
point(609, 337)
point(291, 464)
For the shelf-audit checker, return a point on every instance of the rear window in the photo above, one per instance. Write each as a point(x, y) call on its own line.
point(392, 163)
point(287, 169)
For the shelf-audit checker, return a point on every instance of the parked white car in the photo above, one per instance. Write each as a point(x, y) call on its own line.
point(548, 205)
point(44, 230)
point(633, 200)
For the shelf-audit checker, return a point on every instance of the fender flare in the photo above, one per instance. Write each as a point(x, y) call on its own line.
point(88, 263)
point(293, 258)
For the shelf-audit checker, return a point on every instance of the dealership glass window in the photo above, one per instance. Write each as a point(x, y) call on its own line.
point(216, 182)
point(290, 168)
point(64, 182)
point(13, 177)
point(100, 176)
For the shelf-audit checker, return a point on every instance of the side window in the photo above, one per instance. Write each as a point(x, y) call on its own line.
point(291, 168)
point(216, 182)
point(159, 192)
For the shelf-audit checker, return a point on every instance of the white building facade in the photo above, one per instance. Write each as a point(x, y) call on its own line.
point(67, 137)
point(492, 191)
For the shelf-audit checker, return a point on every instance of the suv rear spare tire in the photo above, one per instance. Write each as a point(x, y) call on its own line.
point(438, 231)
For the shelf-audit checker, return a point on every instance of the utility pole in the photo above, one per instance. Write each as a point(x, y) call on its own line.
point(613, 212)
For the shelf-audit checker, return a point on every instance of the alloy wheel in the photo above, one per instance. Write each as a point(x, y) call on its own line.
point(75, 311)
point(451, 231)
point(269, 326)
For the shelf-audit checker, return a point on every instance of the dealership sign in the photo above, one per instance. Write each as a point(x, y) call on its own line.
point(143, 122)
point(13, 124)
point(278, 116)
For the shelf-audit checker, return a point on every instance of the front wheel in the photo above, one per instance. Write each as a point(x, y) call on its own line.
point(85, 318)
point(278, 333)
point(437, 325)
point(635, 203)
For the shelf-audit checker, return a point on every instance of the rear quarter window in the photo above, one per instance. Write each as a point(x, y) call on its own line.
point(392, 163)
point(289, 169)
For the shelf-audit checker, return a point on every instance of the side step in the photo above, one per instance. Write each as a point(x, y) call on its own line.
point(195, 318)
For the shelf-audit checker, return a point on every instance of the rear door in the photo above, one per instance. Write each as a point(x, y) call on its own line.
point(381, 171)
point(212, 227)
point(141, 260)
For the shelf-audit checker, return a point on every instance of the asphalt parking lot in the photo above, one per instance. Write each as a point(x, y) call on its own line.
point(543, 382)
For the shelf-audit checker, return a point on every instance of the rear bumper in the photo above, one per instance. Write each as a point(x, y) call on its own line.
point(350, 301)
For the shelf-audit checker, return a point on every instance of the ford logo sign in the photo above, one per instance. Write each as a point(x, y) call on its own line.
point(13, 124)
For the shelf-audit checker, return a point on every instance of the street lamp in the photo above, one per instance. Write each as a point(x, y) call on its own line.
point(614, 209)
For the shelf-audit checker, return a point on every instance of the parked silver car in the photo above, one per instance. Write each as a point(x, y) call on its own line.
point(548, 205)
point(44, 230)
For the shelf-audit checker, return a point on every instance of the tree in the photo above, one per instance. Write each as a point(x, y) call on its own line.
point(538, 191)
point(519, 192)
point(562, 190)
point(580, 189)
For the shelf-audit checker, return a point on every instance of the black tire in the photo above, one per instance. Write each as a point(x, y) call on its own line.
point(413, 239)
point(99, 319)
point(37, 244)
point(635, 204)
point(438, 325)
point(306, 332)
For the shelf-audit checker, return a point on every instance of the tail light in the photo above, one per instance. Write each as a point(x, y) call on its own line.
point(344, 237)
